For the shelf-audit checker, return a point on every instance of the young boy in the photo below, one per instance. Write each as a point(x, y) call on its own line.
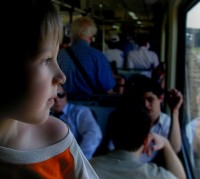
point(32, 143)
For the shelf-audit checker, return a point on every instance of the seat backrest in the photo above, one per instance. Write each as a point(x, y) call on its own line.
point(102, 114)
point(128, 74)
point(101, 106)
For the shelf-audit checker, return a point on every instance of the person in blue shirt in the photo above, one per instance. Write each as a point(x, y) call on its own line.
point(193, 130)
point(93, 61)
point(81, 122)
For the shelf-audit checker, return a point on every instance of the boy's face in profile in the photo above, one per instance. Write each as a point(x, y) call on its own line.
point(152, 104)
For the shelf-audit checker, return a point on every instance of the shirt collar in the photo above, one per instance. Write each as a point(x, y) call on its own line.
point(161, 119)
point(123, 155)
point(81, 41)
point(65, 109)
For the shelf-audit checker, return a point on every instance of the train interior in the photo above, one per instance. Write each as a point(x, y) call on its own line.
point(176, 43)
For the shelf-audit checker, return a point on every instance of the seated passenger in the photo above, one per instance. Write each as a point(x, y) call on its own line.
point(193, 130)
point(120, 79)
point(113, 53)
point(194, 138)
point(127, 44)
point(143, 58)
point(81, 122)
point(130, 133)
point(196, 142)
point(93, 61)
point(151, 95)
point(158, 74)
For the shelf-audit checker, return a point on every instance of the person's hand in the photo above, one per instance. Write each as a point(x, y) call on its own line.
point(155, 142)
point(175, 99)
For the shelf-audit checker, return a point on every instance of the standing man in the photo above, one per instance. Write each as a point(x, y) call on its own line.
point(142, 58)
point(93, 61)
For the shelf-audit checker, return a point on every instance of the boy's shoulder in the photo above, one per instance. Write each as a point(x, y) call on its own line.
point(51, 132)
point(55, 128)
point(35, 136)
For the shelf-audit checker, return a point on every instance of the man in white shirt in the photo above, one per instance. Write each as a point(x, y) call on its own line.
point(114, 53)
point(143, 58)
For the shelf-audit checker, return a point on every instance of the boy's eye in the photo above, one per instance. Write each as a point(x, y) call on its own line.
point(46, 61)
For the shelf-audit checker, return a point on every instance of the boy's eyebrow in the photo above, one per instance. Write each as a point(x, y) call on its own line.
point(44, 50)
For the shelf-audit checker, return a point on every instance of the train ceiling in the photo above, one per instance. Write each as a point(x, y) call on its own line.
point(142, 12)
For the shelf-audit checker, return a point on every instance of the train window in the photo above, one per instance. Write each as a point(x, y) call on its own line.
point(192, 85)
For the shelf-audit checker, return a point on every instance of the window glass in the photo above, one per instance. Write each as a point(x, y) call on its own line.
point(192, 88)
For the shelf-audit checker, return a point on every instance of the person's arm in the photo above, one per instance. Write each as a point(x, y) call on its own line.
point(175, 101)
point(172, 162)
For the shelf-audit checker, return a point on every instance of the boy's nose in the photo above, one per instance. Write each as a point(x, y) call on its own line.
point(62, 77)
point(59, 77)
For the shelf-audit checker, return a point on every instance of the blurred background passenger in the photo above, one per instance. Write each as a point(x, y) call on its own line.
point(193, 132)
point(120, 79)
point(130, 133)
point(93, 61)
point(143, 58)
point(81, 122)
point(127, 45)
point(158, 74)
point(149, 94)
point(113, 53)
point(66, 42)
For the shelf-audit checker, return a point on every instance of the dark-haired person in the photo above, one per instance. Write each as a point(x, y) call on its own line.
point(81, 122)
point(130, 133)
point(151, 96)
